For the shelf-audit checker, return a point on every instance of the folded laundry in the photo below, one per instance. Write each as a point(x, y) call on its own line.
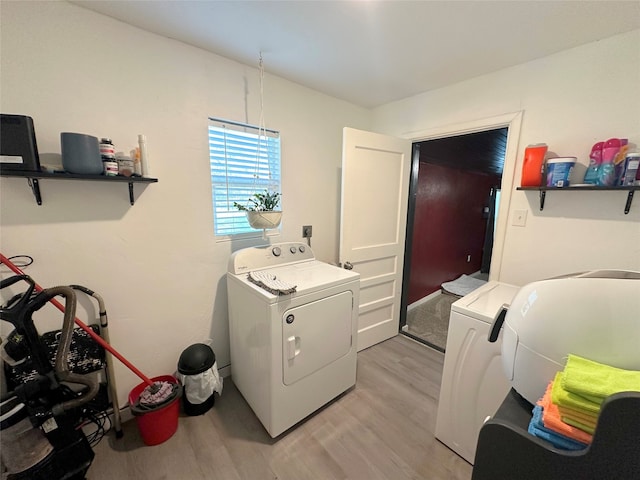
point(583, 425)
point(551, 419)
point(571, 404)
point(596, 381)
point(537, 428)
point(579, 425)
point(587, 418)
point(564, 398)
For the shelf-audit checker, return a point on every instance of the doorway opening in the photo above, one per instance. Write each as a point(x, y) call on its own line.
point(454, 199)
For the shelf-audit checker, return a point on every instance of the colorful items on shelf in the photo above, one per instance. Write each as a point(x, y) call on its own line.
point(567, 414)
point(118, 163)
point(611, 163)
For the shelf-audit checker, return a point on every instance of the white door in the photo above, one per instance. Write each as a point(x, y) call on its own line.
point(375, 193)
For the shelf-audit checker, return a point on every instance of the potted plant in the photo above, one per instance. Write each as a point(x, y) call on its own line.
point(261, 210)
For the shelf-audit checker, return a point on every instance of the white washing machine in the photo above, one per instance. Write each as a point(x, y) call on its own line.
point(473, 381)
point(291, 353)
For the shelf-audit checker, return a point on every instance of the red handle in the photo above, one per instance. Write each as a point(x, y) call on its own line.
point(78, 322)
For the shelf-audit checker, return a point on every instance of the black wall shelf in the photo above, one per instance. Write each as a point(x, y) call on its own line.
point(543, 191)
point(33, 178)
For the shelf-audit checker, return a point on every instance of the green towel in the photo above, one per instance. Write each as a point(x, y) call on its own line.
point(564, 398)
point(578, 424)
point(586, 418)
point(596, 381)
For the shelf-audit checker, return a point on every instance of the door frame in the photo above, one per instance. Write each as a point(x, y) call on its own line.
point(513, 122)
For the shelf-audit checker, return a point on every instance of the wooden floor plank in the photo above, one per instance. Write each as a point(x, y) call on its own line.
point(380, 429)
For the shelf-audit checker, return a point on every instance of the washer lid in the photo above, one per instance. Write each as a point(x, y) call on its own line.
point(309, 276)
point(485, 302)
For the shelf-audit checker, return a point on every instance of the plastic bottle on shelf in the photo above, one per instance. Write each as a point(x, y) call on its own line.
point(595, 161)
point(533, 165)
point(144, 157)
point(135, 156)
point(110, 166)
point(125, 164)
point(106, 147)
point(619, 161)
point(631, 169)
point(107, 154)
point(606, 173)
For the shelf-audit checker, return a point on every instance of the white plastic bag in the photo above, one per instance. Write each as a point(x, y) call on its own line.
point(198, 388)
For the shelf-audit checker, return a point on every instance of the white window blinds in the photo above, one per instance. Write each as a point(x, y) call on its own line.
point(244, 160)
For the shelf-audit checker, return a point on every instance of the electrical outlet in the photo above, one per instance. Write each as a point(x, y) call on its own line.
point(519, 218)
point(306, 231)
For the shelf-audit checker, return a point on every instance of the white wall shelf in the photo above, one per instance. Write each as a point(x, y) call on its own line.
point(33, 178)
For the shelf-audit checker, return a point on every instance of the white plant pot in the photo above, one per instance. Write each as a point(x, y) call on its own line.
point(264, 220)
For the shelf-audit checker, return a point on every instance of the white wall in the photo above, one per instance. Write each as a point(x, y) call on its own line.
point(570, 101)
point(156, 264)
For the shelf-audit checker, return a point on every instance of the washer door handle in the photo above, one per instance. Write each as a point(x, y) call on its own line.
point(494, 331)
point(293, 347)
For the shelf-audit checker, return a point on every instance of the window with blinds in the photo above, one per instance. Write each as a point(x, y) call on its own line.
point(244, 159)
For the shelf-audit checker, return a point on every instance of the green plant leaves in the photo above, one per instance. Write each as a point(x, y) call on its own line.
point(262, 202)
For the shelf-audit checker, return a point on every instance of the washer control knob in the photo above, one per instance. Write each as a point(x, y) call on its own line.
point(293, 250)
point(276, 251)
point(301, 248)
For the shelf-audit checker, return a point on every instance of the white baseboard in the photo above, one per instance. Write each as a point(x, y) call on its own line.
point(125, 415)
point(431, 296)
point(225, 371)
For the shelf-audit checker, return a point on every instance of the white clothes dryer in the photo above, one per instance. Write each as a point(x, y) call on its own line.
point(291, 353)
point(473, 381)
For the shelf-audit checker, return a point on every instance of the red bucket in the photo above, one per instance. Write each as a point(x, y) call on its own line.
point(157, 426)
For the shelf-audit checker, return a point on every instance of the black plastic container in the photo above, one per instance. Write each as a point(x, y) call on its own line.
point(18, 146)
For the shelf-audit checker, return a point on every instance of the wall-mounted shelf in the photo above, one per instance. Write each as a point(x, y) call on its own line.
point(543, 191)
point(33, 178)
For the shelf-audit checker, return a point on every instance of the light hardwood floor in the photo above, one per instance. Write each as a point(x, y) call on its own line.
point(380, 429)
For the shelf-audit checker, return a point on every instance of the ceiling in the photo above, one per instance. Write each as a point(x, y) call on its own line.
point(373, 52)
point(481, 152)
